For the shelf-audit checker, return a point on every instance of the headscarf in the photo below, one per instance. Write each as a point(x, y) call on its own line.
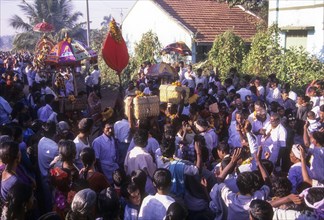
point(318, 206)
point(296, 151)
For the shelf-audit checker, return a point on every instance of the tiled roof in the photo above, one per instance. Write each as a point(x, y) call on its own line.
point(209, 18)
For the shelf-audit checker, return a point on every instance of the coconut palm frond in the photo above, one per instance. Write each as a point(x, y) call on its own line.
point(18, 23)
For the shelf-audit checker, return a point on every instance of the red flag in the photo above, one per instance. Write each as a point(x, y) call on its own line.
point(114, 50)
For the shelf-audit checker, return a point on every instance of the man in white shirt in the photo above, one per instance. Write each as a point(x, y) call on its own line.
point(274, 94)
point(156, 206)
point(122, 135)
point(274, 140)
point(189, 77)
point(201, 79)
point(138, 158)
point(208, 133)
point(234, 139)
point(258, 85)
point(96, 78)
point(149, 88)
point(243, 91)
point(47, 151)
point(82, 139)
point(46, 113)
point(181, 71)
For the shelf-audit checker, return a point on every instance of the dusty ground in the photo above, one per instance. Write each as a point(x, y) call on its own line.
point(109, 95)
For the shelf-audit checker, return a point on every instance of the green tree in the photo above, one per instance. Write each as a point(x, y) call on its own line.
point(147, 49)
point(293, 65)
point(56, 12)
point(259, 7)
point(265, 54)
point(299, 68)
point(228, 51)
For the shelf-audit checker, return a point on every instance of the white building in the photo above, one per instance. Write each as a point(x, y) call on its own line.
point(301, 23)
point(195, 22)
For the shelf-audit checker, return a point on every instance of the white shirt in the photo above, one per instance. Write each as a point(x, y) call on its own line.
point(315, 100)
point(190, 78)
point(49, 91)
point(273, 95)
point(295, 175)
point(151, 147)
point(279, 214)
point(257, 125)
point(79, 147)
point(274, 142)
point(202, 80)
point(47, 150)
point(44, 113)
point(234, 139)
point(317, 162)
point(121, 130)
point(147, 91)
point(238, 205)
point(154, 207)
point(292, 95)
point(231, 87)
point(211, 139)
point(243, 93)
point(261, 90)
point(95, 76)
point(138, 158)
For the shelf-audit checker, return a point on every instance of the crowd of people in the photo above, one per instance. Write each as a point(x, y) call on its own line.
point(242, 148)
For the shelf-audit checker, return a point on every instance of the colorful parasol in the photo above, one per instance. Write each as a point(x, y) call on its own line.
point(160, 70)
point(43, 27)
point(177, 47)
point(62, 54)
point(114, 50)
point(82, 51)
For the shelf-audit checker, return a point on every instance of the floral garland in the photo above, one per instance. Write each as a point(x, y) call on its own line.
point(139, 94)
point(176, 83)
point(115, 31)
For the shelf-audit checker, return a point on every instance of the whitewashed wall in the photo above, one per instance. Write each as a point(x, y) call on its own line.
point(301, 13)
point(145, 16)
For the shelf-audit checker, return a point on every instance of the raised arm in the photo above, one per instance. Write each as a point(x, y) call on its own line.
point(235, 157)
point(305, 135)
point(305, 174)
point(263, 171)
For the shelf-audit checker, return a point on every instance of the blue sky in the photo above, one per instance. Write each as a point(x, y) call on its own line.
point(97, 10)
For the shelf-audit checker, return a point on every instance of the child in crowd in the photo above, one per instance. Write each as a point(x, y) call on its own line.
point(130, 191)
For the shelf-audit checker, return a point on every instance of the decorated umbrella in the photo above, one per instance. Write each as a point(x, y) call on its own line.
point(82, 51)
point(43, 27)
point(177, 47)
point(62, 54)
point(160, 70)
